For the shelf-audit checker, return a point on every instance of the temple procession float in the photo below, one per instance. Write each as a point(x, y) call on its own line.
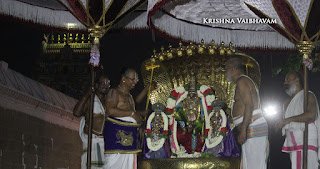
point(191, 126)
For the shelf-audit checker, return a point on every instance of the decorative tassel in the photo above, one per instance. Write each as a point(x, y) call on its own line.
point(95, 54)
point(308, 63)
point(240, 38)
point(36, 14)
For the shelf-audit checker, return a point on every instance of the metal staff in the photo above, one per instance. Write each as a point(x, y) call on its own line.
point(305, 48)
point(149, 66)
point(152, 66)
point(97, 32)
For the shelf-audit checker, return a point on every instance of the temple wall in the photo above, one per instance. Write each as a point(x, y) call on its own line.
point(37, 128)
point(29, 142)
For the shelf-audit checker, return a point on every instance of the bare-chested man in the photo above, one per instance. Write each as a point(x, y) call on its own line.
point(247, 116)
point(123, 123)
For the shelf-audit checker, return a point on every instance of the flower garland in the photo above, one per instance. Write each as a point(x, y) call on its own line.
point(223, 131)
point(156, 145)
point(177, 95)
point(213, 141)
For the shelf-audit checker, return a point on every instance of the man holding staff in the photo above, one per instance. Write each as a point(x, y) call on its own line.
point(294, 121)
point(100, 90)
point(122, 128)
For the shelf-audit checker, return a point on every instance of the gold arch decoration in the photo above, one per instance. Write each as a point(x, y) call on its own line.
point(206, 61)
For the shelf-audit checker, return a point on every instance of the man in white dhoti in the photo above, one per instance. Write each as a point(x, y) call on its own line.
point(247, 116)
point(122, 141)
point(100, 89)
point(294, 121)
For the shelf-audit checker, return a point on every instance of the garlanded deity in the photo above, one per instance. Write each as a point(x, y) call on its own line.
point(192, 86)
point(190, 116)
point(194, 121)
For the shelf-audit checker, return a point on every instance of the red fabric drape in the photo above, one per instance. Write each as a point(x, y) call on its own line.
point(79, 10)
point(287, 16)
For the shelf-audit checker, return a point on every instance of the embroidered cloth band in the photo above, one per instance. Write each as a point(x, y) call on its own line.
point(121, 137)
point(258, 130)
point(256, 114)
point(258, 126)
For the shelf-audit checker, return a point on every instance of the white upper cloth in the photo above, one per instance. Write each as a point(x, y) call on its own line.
point(97, 149)
point(295, 108)
point(97, 109)
point(258, 97)
point(239, 119)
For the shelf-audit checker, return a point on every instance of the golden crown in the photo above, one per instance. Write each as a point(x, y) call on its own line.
point(172, 68)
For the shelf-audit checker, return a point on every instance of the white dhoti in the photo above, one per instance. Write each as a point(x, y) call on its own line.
point(97, 149)
point(121, 161)
point(293, 143)
point(255, 150)
point(294, 146)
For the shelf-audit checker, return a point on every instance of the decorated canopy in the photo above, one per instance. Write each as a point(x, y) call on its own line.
point(76, 14)
point(297, 20)
point(222, 20)
point(236, 21)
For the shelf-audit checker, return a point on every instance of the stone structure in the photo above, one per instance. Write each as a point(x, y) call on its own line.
point(37, 128)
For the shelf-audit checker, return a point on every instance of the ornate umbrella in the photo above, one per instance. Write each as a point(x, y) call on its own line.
point(81, 14)
point(298, 21)
point(221, 20)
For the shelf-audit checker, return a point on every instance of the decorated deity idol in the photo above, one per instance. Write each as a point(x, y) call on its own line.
point(157, 134)
point(190, 116)
point(194, 121)
point(188, 109)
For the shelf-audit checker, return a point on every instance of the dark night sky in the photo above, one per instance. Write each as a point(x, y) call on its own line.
point(20, 46)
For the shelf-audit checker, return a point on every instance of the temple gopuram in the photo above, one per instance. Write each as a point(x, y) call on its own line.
point(63, 63)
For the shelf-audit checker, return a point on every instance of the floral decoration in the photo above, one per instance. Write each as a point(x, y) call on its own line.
point(149, 133)
point(155, 145)
point(223, 131)
point(205, 93)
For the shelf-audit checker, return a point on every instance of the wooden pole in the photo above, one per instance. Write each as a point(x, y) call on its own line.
point(90, 121)
point(305, 109)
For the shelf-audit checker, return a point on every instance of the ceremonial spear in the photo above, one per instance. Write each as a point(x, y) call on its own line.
point(149, 65)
